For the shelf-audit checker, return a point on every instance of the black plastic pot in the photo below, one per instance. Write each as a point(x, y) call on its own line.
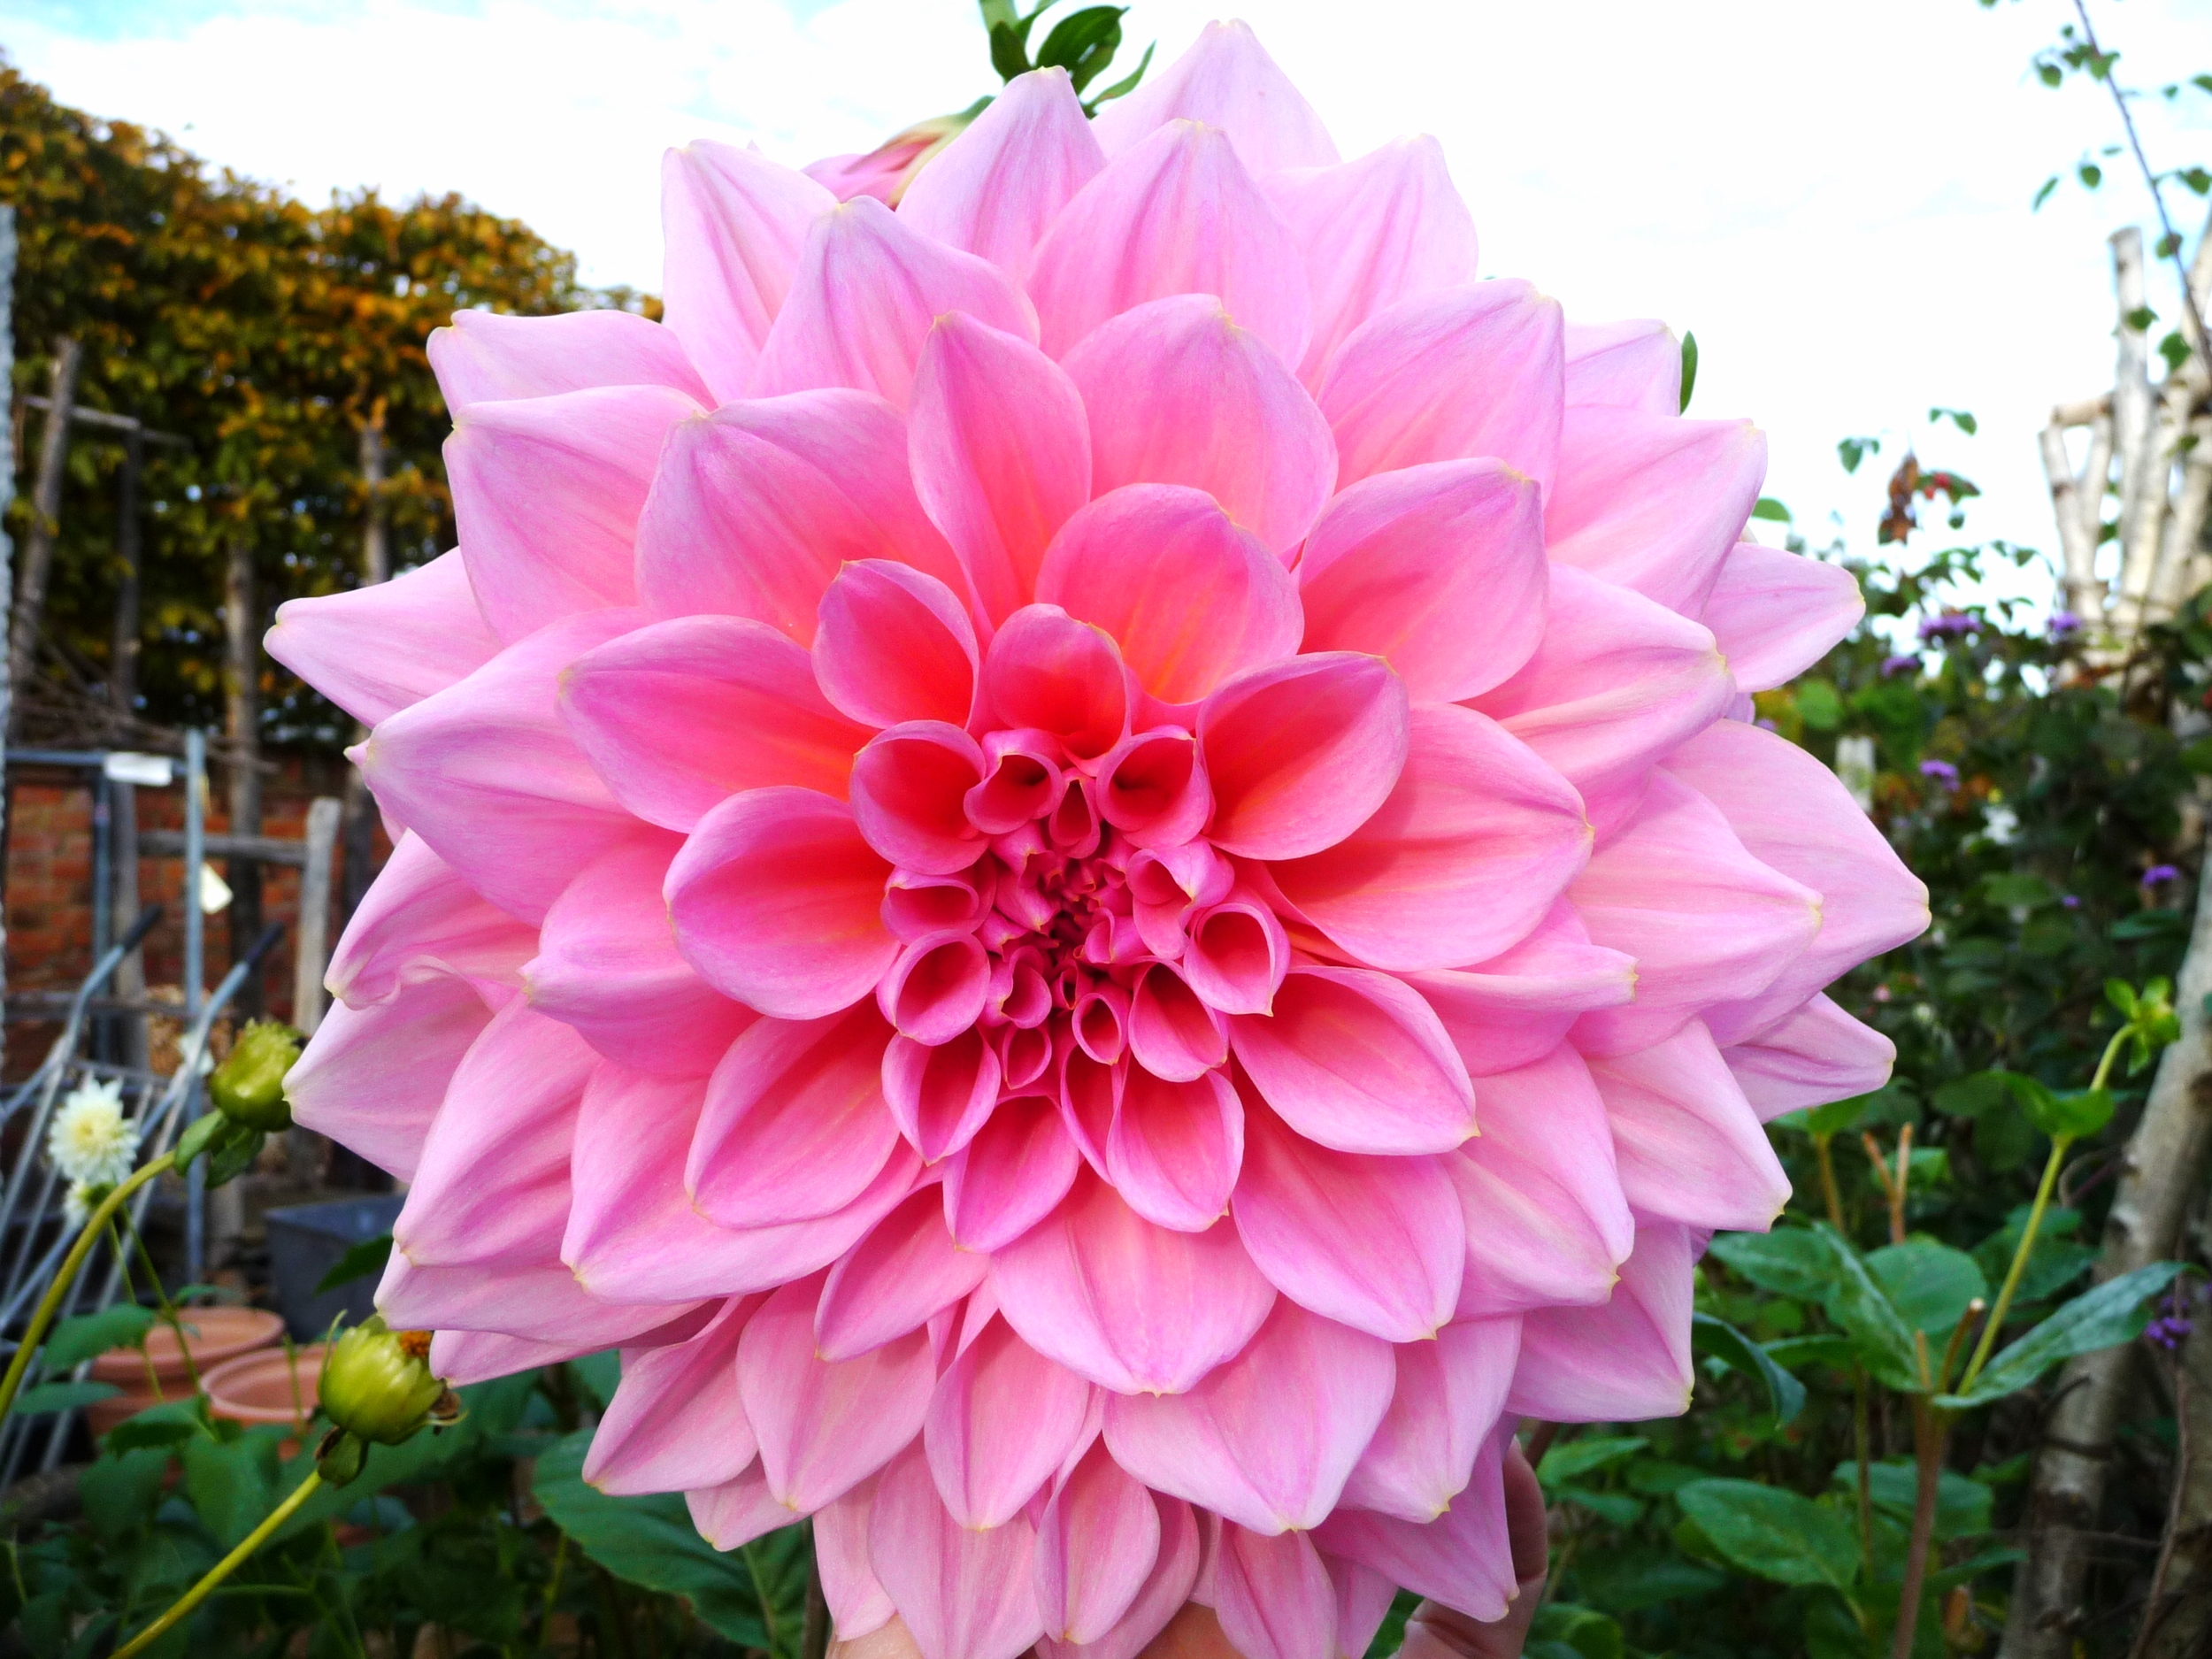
point(307, 1240)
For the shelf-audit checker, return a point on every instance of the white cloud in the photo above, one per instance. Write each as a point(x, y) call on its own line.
point(1834, 198)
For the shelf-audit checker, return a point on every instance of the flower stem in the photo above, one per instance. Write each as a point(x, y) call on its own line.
point(66, 1275)
point(2019, 1256)
point(1929, 1429)
point(182, 1607)
point(1828, 1189)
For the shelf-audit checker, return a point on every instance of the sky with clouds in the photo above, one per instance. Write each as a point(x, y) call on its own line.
point(1834, 196)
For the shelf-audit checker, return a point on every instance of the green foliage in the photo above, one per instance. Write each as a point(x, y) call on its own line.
point(755, 1595)
point(266, 332)
point(1773, 1534)
point(1083, 42)
point(364, 1260)
point(434, 1534)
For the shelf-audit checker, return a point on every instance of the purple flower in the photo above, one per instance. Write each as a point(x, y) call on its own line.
point(2070, 900)
point(2168, 1330)
point(1950, 623)
point(1904, 662)
point(2158, 875)
point(1765, 725)
point(1942, 771)
point(2064, 622)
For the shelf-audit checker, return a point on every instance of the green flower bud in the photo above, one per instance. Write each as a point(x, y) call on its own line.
point(249, 1087)
point(377, 1384)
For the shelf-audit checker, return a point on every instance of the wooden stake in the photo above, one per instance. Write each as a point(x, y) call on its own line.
point(38, 546)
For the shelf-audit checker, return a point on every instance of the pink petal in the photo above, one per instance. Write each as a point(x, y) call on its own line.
point(1652, 502)
point(1795, 816)
point(867, 290)
point(1237, 955)
point(1449, 1396)
point(905, 1272)
point(1152, 787)
point(794, 1125)
point(1705, 920)
point(1625, 365)
point(1374, 1243)
point(1177, 394)
point(1024, 783)
point(1513, 1009)
point(676, 1422)
point(777, 901)
point(462, 1358)
point(1776, 614)
point(1127, 1304)
point(1438, 569)
point(910, 789)
point(858, 1604)
point(937, 988)
point(485, 356)
point(1302, 752)
point(1173, 1035)
point(679, 716)
point(1465, 371)
point(1688, 1146)
point(378, 650)
point(1142, 208)
point(1386, 227)
point(1002, 453)
point(964, 1594)
point(486, 775)
point(492, 1186)
point(420, 920)
point(372, 1079)
point(1175, 1148)
point(994, 188)
point(895, 644)
point(1546, 1218)
point(1003, 1419)
point(1358, 1060)
point(1274, 1598)
point(1363, 1601)
point(1011, 1177)
point(826, 1426)
point(940, 1096)
point(1815, 1054)
point(737, 1512)
point(1266, 1439)
point(538, 1300)
point(1226, 80)
point(1191, 599)
point(1462, 1559)
point(546, 498)
point(1097, 1544)
point(1626, 1362)
point(1048, 672)
point(1174, 1579)
point(608, 968)
point(1617, 682)
point(1477, 840)
point(633, 1233)
point(756, 508)
point(735, 223)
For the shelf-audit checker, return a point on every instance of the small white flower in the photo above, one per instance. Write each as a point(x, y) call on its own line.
point(91, 1141)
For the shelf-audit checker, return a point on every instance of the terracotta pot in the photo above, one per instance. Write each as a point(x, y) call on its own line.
point(259, 1387)
point(213, 1334)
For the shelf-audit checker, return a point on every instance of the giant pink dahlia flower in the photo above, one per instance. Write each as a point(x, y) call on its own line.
point(1086, 858)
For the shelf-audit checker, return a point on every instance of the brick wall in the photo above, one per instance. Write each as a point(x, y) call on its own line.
point(49, 888)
